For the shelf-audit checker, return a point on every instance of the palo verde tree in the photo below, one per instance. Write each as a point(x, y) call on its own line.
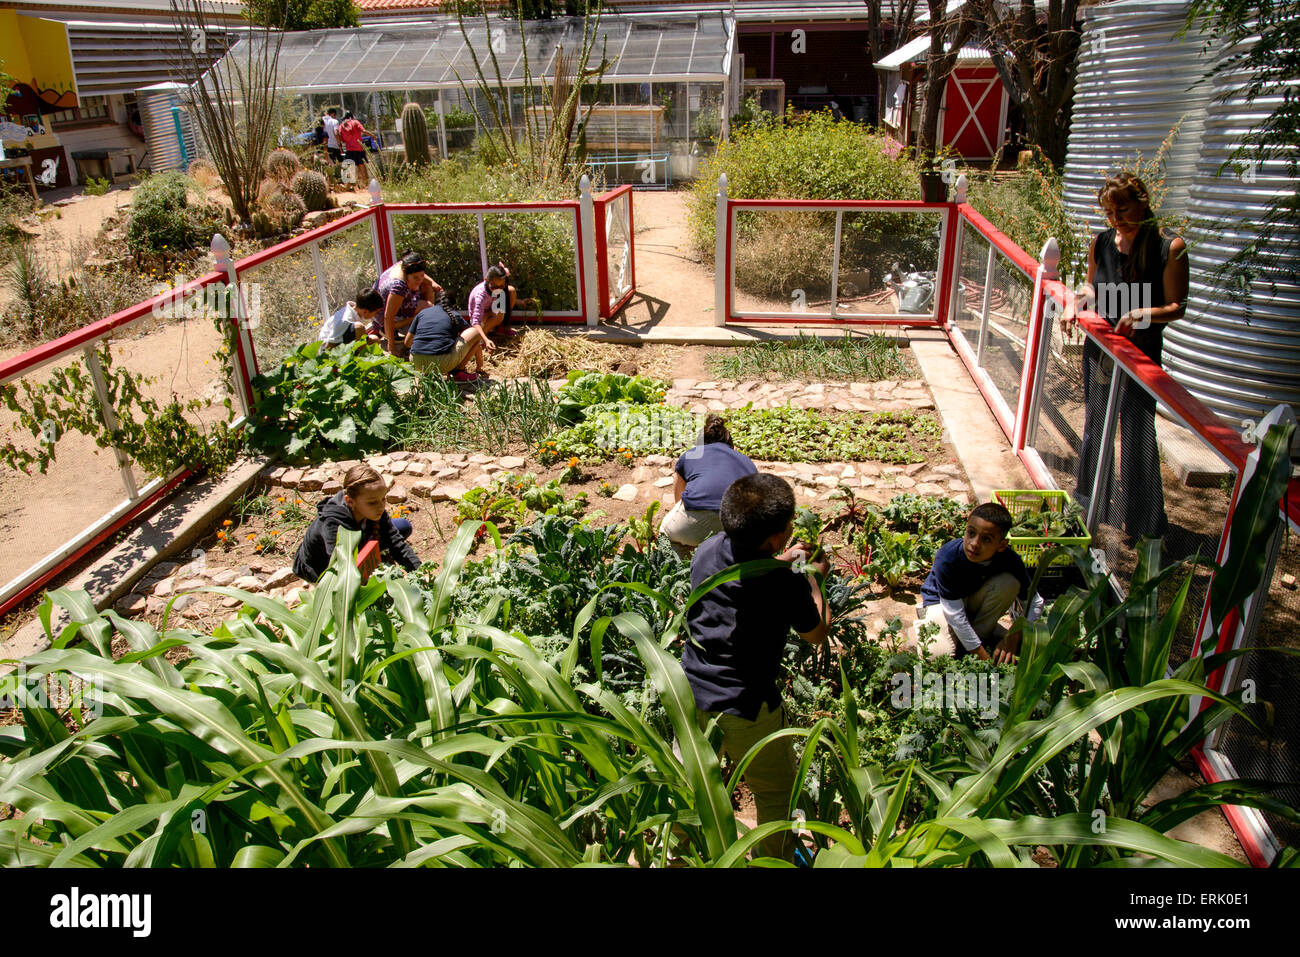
point(233, 101)
point(1034, 54)
point(302, 14)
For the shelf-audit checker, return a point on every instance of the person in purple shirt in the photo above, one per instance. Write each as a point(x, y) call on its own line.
point(493, 301)
point(407, 290)
point(703, 475)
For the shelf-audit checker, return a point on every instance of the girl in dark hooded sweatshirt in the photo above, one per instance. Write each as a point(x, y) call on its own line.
point(359, 507)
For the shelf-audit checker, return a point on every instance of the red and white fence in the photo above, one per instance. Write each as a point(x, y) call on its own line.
point(283, 294)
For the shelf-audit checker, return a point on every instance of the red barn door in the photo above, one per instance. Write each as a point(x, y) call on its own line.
point(974, 112)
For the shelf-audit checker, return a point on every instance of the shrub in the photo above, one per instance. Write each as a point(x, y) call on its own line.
point(97, 187)
point(538, 247)
point(204, 174)
point(282, 165)
point(162, 221)
point(320, 403)
point(811, 157)
point(313, 189)
point(1029, 206)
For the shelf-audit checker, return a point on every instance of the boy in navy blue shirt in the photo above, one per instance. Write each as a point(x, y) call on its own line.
point(738, 633)
point(973, 583)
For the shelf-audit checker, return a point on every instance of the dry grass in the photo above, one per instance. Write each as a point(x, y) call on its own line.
point(538, 353)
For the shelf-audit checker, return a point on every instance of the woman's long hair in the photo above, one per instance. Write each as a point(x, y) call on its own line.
point(1124, 187)
point(715, 430)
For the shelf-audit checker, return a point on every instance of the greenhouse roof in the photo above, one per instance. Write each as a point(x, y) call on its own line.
point(431, 57)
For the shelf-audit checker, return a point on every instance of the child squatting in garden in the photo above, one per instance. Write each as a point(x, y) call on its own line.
point(973, 583)
point(438, 338)
point(359, 507)
point(353, 320)
point(737, 637)
point(493, 301)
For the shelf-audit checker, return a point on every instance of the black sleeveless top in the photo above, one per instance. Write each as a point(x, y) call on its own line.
point(1115, 294)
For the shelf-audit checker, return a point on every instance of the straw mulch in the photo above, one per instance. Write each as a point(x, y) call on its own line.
point(538, 353)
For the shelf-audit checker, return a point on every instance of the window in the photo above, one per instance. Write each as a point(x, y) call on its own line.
point(92, 108)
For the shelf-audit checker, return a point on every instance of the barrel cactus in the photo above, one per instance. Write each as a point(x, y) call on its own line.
point(283, 165)
point(313, 189)
point(415, 135)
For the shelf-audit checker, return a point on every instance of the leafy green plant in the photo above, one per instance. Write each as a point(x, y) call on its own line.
point(163, 222)
point(320, 403)
point(96, 186)
point(584, 389)
point(642, 527)
point(438, 415)
point(159, 437)
point(807, 527)
point(853, 358)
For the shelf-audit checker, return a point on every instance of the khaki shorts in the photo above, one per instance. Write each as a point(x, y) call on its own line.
point(442, 361)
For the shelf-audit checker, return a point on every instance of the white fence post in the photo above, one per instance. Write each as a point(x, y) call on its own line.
point(1048, 270)
point(720, 264)
point(109, 414)
point(245, 359)
point(587, 211)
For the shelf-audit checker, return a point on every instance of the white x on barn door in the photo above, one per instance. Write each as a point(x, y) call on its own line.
point(972, 118)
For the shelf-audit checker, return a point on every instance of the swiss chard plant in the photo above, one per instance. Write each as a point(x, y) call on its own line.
point(585, 389)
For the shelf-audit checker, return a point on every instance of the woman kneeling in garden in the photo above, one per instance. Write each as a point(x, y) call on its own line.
point(359, 507)
point(407, 289)
point(440, 339)
point(703, 474)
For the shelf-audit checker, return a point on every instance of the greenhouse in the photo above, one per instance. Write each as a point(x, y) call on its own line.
point(657, 111)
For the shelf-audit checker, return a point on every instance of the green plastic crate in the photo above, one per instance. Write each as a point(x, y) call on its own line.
point(1030, 547)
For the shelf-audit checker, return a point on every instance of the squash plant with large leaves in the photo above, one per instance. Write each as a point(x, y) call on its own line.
point(320, 403)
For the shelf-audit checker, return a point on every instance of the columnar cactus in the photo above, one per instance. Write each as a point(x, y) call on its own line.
point(415, 135)
point(313, 189)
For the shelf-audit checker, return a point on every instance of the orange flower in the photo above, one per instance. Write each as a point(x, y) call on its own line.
point(251, 536)
point(221, 536)
point(275, 532)
point(573, 462)
point(257, 548)
point(227, 523)
point(280, 499)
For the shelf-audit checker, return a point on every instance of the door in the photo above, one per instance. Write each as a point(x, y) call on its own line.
point(974, 113)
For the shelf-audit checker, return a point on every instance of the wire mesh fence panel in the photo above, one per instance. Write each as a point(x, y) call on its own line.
point(781, 261)
point(1010, 302)
point(1058, 433)
point(284, 307)
point(348, 260)
point(78, 487)
point(1163, 482)
point(972, 274)
point(618, 248)
point(540, 248)
point(448, 241)
point(1267, 750)
point(888, 263)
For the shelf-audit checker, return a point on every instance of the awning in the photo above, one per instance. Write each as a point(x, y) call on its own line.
point(102, 69)
point(918, 50)
point(36, 54)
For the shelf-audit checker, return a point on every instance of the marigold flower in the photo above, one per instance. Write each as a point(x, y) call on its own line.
point(251, 536)
point(573, 462)
point(227, 523)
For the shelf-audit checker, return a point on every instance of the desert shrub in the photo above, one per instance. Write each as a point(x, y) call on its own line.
point(163, 221)
point(538, 247)
point(810, 157)
point(1028, 207)
point(282, 165)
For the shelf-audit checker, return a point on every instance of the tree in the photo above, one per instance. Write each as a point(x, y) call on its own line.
point(1273, 68)
point(888, 24)
point(234, 101)
point(302, 14)
point(947, 35)
point(1035, 59)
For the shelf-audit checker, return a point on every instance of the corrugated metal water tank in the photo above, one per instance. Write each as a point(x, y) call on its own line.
point(1240, 356)
point(1135, 82)
point(169, 134)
